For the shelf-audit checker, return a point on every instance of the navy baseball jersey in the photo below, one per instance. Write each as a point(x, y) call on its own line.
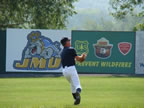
point(68, 56)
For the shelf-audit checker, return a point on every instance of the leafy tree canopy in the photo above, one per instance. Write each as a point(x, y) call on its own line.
point(120, 8)
point(42, 14)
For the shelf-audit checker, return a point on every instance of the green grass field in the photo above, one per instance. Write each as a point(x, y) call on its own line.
point(98, 92)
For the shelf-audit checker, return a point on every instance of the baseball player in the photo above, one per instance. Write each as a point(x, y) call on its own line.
point(68, 57)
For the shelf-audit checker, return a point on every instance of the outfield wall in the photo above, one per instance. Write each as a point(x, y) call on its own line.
point(34, 50)
point(139, 52)
point(38, 51)
point(2, 51)
point(108, 52)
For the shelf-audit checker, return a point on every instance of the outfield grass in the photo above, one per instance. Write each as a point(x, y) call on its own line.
point(98, 92)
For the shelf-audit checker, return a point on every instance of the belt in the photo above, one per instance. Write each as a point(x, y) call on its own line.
point(67, 66)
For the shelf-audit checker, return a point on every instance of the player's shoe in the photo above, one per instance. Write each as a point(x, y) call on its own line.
point(78, 98)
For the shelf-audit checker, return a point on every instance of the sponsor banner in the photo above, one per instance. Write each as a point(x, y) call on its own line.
point(139, 60)
point(30, 50)
point(108, 52)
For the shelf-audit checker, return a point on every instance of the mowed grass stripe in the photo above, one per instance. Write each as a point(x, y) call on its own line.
point(98, 92)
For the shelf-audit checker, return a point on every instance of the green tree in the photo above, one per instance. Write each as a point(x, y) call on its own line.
point(121, 8)
point(42, 14)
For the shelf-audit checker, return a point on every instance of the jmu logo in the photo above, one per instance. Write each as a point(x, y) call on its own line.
point(81, 46)
point(40, 53)
point(102, 48)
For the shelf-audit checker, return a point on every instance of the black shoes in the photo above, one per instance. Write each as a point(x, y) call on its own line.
point(77, 98)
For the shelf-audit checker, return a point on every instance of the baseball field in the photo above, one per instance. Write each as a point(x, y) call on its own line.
point(98, 92)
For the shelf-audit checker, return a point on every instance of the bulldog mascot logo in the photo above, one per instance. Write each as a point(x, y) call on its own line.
point(41, 46)
point(40, 53)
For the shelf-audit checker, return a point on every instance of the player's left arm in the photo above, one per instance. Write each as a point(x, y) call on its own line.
point(81, 58)
point(78, 58)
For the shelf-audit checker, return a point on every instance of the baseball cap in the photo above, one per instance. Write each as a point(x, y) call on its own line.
point(64, 40)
